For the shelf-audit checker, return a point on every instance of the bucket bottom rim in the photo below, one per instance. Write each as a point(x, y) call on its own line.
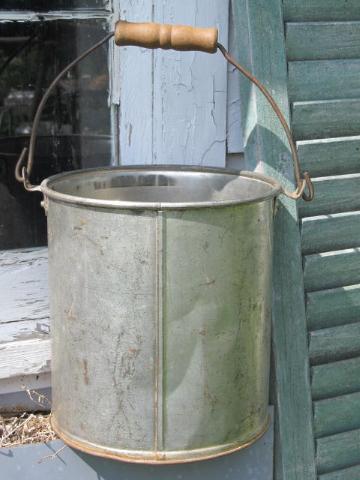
point(157, 458)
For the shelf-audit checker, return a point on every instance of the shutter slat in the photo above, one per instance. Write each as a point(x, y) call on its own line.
point(352, 473)
point(331, 269)
point(333, 307)
point(326, 118)
point(335, 379)
point(330, 232)
point(324, 80)
point(334, 194)
point(321, 10)
point(338, 451)
point(334, 344)
point(323, 40)
point(336, 415)
point(322, 157)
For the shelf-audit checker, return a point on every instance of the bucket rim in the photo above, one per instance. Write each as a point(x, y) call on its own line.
point(52, 194)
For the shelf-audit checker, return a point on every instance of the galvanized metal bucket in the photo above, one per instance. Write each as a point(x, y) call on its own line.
point(160, 298)
point(160, 310)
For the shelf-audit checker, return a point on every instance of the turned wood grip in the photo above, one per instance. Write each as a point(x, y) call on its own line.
point(175, 37)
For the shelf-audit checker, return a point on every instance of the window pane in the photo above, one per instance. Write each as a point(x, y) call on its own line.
point(46, 5)
point(74, 131)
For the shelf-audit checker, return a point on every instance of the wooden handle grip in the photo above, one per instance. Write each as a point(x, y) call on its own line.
point(156, 35)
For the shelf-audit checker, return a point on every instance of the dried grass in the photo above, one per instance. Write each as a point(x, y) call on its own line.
point(25, 429)
point(28, 427)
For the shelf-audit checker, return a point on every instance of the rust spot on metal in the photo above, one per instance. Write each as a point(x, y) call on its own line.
point(85, 372)
point(208, 282)
point(210, 397)
point(134, 350)
point(81, 224)
point(69, 313)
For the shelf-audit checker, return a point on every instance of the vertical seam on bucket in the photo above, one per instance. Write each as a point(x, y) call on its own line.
point(158, 393)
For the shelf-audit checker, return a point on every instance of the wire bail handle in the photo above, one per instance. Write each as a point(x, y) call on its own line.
point(175, 37)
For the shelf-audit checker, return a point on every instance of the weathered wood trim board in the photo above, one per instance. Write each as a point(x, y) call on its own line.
point(24, 320)
point(323, 53)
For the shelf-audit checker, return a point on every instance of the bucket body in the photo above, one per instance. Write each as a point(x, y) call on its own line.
point(160, 296)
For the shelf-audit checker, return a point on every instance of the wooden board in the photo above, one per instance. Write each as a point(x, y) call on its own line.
point(352, 473)
point(334, 194)
point(326, 118)
point(338, 451)
point(333, 344)
point(334, 307)
point(261, 36)
point(330, 156)
point(172, 104)
point(336, 415)
point(334, 379)
point(321, 11)
point(330, 232)
point(24, 330)
point(24, 357)
point(24, 319)
point(331, 269)
point(322, 40)
point(23, 285)
point(324, 80)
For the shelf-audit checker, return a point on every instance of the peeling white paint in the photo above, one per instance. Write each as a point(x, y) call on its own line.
point(23, 382)
point(24, 319)
point(24, 357)
point(23, 285)
point(24, 330)
point(175, 102)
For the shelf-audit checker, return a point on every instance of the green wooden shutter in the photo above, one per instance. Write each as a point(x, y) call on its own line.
point(323, 54)
point(261, 45)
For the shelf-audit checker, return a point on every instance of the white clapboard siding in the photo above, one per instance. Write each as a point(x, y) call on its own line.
point(176, 107)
